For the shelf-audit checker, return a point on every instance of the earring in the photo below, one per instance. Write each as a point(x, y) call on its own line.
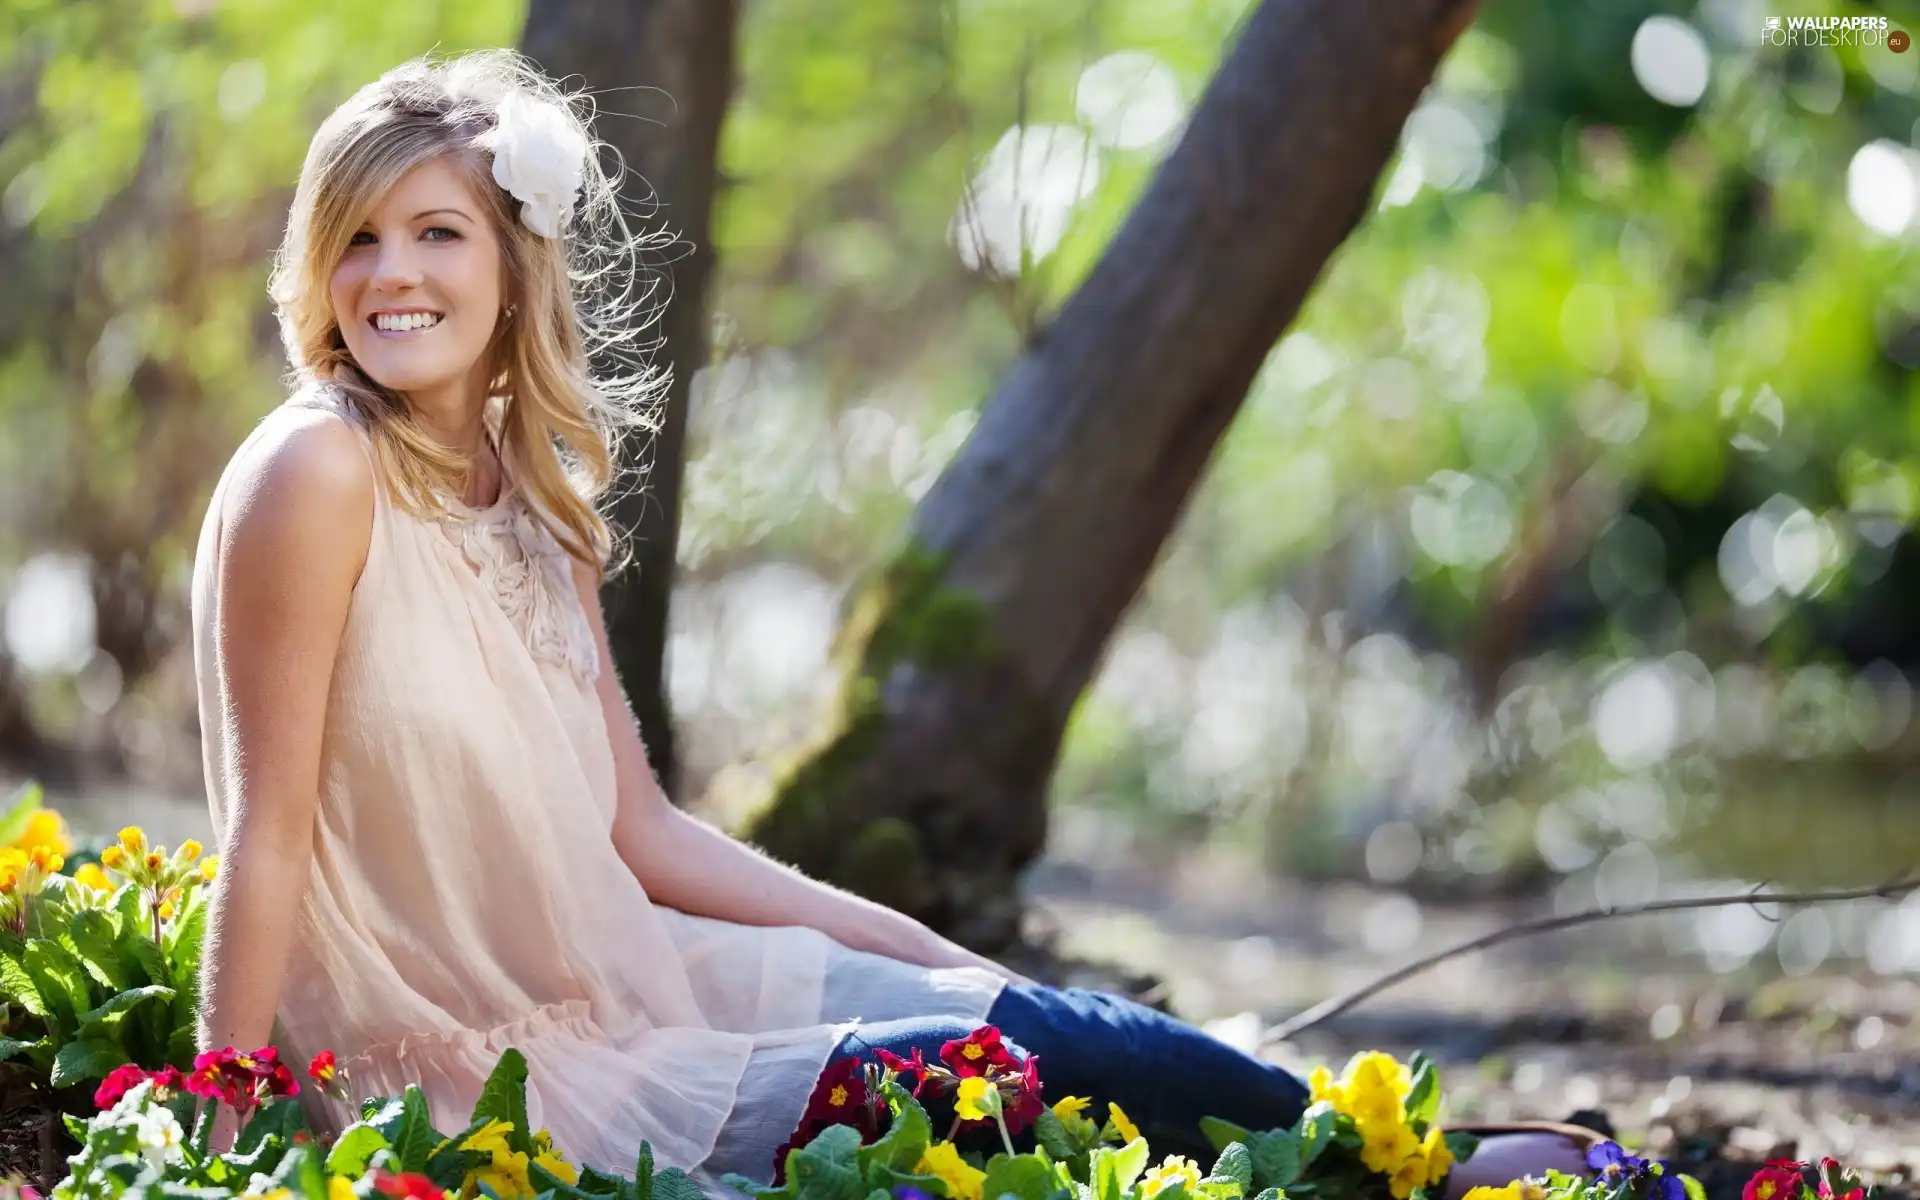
point(512, 309)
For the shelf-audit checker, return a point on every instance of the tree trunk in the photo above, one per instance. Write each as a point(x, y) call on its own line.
point(963, 660)
point(662, 71)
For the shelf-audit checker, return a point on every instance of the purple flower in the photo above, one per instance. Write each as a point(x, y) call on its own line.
point(1667, 1187)
point(1610, 1160)
point(907, 1191)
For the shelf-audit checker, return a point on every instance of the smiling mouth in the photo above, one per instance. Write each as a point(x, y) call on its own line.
point(411, 322)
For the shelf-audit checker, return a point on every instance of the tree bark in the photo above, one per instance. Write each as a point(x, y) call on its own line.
point(662, 73)
point(963, 660)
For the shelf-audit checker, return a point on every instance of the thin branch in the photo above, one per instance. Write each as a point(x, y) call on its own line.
point(1899, 885)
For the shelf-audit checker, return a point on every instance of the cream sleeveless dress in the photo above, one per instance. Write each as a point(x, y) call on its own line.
point(465, 895)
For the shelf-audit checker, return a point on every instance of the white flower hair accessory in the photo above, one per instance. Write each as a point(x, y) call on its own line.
point(540, 158)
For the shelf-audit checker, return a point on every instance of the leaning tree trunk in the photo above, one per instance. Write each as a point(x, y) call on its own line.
point(666, 68)
point(965, 656)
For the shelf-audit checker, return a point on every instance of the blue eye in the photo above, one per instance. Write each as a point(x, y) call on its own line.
point(355, 240)
point(451, 235)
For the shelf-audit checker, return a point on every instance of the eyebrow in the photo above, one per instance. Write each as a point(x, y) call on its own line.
point(455, 211)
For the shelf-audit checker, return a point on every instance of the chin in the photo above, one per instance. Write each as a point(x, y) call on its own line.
point(408, 377)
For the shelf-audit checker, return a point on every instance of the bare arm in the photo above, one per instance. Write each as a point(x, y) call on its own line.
point(687, 864)
point(294, 541)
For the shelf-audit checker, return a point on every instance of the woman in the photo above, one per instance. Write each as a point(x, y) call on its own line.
point(441, 835)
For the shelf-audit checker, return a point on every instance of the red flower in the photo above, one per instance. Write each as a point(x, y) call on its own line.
point(321, 1069)
point(1772, 1183)
point(281, 1082)
point(973, 1054)
point(1787, 1164)
point(118, 1083)
point(241, 1080)
point(913, 1070)
point(1024, 1109)
point(408, 1187)
point(168, 1079)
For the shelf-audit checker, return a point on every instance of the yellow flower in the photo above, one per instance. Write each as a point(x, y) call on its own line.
point(89, 875)
point(1385, 1148)
point(1324, 1087)
point(1439, 1158)
point(188, 851)
point(552, 1161)
point(155, 860)
point(1127, 1130)
point(1070, 1106)
point(1412, 1174)
point(1509, 1192)
point(506, 1175)
point(209, 866)
point(1378, 1071)
point(45, 828)
point(975, 1099)
point(1375, 1106)
point(278, 1194)
point(490, 1138)
point(1174, 1170)
point(113, 858)
point(944, 1163)
point(339, 1187)
point(133, 840)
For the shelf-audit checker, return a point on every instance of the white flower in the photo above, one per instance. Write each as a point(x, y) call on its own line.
point(540, 157)
point(159, 1136)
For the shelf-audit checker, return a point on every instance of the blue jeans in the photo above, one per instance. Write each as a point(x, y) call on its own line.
point(1164, 1073)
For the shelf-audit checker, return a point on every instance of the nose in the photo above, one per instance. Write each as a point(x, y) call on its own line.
point(396, 269)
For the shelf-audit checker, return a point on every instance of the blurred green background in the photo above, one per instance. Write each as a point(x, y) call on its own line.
point(1566, 540)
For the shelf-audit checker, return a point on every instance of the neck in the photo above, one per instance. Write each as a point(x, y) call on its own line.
point(454, 414)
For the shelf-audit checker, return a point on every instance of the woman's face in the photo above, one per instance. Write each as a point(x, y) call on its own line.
point(418, 292)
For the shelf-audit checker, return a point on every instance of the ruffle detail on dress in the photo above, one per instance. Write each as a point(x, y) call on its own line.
point(524, 567)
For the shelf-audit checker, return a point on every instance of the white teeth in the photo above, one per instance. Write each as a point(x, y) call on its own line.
point(401, 322)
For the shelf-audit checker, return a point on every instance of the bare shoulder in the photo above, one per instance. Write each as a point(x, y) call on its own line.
point(301, 493)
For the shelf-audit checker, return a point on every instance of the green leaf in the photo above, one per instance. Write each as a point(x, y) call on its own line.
point(1423, 1102)
point(504, 1098)
point(1271, 1194)
point(1052, 1134)
point(62, 983)
point(413, 1138)
point(1223, 1133)
point(823, 1169)
point(1276, 1158)
point(1316, 1134)
point(643, 1171)
point(675, 1184)
point(153, 964)
point(354, 1147)
point(906, 1140)
point(25, 803)
point(1236, 1162)
point(182, 1046)
point(1694, 1190)
point(89, 936)
point(1019, 1175)
point(598, 1183)
point(15, 982)
point(85, 1061)
point(12, 1047)
point(277, 1118)
point(76, 1127)
point(1461, 1145)
point(1128, 1161)
point(185, 941)
point(105, 1020)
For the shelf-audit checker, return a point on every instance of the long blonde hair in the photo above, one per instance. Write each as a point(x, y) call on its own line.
point(578, 299)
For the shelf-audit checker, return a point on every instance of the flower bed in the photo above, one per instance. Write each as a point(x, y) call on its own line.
point(99, 985)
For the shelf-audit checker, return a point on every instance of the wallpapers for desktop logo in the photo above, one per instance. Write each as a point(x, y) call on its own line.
point(1835, 31)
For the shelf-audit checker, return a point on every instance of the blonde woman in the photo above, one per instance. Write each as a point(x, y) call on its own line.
point(441, 835)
